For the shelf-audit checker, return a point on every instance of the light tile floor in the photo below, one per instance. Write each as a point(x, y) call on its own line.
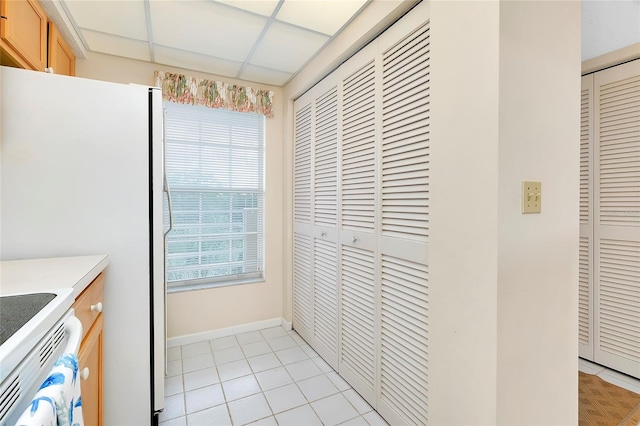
point(608, 375)
point(265, 377)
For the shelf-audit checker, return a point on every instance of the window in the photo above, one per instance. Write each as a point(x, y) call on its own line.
point(215, 172)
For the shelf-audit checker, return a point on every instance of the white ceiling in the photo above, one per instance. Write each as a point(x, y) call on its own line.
point(265, 41)
point(269, 41)
point(609, 25)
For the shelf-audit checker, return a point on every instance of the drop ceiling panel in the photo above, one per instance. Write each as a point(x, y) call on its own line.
point(195, 61)
point(287, 48)
point(265, 7)
point(264, 75)
point(263, 41)
point(324, 16)
point(123, 18)
point(205, 27)
point(115, 45)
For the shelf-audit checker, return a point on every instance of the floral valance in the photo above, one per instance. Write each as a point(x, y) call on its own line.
point(184, 89)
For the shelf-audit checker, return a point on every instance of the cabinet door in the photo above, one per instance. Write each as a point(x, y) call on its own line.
point(60, 56)
point(91, 388)
point(23, 33)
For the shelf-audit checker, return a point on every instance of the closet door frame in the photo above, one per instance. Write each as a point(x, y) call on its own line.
point(585, 350)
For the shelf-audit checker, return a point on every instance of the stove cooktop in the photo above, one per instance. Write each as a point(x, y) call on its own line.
point(16, 311)
point(25, 318)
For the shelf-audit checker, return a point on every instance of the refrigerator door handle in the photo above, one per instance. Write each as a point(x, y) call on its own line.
point(164, 171)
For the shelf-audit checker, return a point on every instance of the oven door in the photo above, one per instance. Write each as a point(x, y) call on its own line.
point(19, 387)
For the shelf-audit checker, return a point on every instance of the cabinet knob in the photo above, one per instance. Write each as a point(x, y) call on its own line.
point(97, 307)
point(84, 373)
point(322, 234)
point(354, 239)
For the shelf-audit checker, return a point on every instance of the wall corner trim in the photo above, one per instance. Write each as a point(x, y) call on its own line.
point(286, 324)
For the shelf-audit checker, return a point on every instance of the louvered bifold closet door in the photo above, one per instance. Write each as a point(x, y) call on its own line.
point(358, 356)
point(303, 285)
point(325, 334)
point(325, 184)
point(359, 147)
point(302, 228)
point(585, 272)
point(302, 170)
point(404, 222)
point(617, 229)
point(325, 218)
point(359, 286)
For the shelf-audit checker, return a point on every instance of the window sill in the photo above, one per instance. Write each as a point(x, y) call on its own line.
point(204, 286)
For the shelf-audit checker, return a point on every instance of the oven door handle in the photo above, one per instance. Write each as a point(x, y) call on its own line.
point(73, 328)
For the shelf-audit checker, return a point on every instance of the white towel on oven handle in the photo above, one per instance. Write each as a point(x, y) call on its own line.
point(58, 401)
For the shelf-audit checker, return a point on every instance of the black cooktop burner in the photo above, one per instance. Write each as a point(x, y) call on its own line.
point(16, 311)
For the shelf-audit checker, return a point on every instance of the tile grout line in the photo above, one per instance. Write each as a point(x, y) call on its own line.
point(291, 334)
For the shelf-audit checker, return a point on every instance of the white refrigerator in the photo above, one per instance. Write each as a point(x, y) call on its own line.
point(82, 174)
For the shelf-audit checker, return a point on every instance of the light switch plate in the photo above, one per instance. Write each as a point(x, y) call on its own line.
point(531, 197)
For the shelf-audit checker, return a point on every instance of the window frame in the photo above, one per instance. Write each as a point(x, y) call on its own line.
point(233, 190)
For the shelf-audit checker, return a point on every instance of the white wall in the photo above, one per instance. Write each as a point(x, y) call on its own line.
point(463, 212)
point(538, 253)
point(204, 310)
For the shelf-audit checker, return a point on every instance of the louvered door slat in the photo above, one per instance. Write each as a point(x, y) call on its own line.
point(326, 169)
point(405, 137)
point(584, 300)
point(302, 285)
point(404, 293)
point(358, 150)
point(585, 150)
point(325, 294)
point(619, 297)
point(302, 166)
point(358, 344)
point(619, 116)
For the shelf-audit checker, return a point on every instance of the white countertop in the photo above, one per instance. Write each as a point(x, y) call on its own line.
point(41, 275)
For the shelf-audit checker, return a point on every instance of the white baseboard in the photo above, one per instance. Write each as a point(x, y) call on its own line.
point(228, 331)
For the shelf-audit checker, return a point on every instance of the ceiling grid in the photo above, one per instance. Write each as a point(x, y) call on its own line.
point(266, 41)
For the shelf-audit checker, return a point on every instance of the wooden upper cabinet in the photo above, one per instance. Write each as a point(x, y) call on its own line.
point(23, 34)
point(60, 56)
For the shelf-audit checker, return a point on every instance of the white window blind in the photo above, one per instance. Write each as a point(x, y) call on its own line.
point(215, 172)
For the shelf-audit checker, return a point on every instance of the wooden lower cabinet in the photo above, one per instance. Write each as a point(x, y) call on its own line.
point(88, 309)
point(91, 388)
